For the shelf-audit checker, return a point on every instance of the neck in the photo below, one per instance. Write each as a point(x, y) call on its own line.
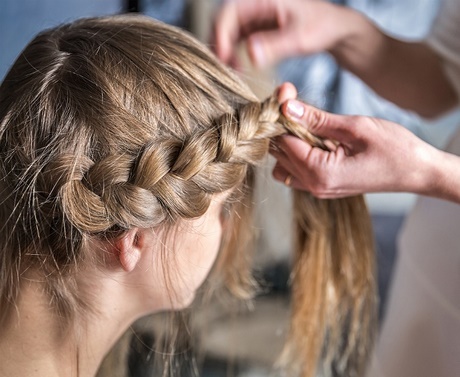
point(34, 344)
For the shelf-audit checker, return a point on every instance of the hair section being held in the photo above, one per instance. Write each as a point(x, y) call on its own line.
point(333, 278)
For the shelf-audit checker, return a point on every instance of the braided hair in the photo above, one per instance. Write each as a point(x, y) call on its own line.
point(107, 124)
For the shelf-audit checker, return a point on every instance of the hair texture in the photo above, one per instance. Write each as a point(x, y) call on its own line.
point(112, 123)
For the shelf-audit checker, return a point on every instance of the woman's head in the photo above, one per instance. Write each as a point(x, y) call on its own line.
point(123, 141)
point(109, 125)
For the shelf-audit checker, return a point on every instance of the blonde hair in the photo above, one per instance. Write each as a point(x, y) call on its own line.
point(113, 123)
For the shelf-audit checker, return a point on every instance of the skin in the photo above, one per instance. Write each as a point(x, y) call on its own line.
point(132, 284)
point(408, 74)
point(371, 155)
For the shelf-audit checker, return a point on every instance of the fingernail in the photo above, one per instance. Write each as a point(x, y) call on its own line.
point(257, 52)
point(295, 109)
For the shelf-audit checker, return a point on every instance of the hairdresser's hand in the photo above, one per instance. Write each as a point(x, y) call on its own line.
point(371, 155)
point(277, 29)
point(408, 74)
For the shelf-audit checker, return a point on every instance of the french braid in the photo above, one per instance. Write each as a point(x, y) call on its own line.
point(114, 123)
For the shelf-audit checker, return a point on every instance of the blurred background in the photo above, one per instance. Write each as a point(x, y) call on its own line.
point(247, 342)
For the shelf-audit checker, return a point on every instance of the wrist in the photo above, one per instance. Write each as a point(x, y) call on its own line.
point(444, 178)
point(438, 176)
point(429, 175)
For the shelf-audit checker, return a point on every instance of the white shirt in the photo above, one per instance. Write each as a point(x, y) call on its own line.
point(420, 336)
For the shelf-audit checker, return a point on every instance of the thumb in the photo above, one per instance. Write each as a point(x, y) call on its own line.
point(319, 122)
point(271, 46)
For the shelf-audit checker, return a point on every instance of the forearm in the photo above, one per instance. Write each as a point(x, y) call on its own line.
point(408, 74)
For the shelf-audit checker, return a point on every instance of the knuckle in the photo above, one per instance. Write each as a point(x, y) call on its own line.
point(315, 179)
point(322, 187)
point(320, 181)
point(358, 125)
point(315, 119)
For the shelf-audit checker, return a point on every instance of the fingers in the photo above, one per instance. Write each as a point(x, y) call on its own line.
point(291, 151)
point(271, 46)
point(318, 174)
point(321, 123)
point(239, 19)
point(303, 167)
point(284, 176)
point(286, 91)
point(291, 168)
point(226, 31)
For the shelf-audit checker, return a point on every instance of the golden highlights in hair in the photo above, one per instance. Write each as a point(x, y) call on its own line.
point(107, 124)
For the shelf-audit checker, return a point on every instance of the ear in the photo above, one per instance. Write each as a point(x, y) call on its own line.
point(129, 249)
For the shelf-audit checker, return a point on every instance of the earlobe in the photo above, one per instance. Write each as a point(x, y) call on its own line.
point(129, 249)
